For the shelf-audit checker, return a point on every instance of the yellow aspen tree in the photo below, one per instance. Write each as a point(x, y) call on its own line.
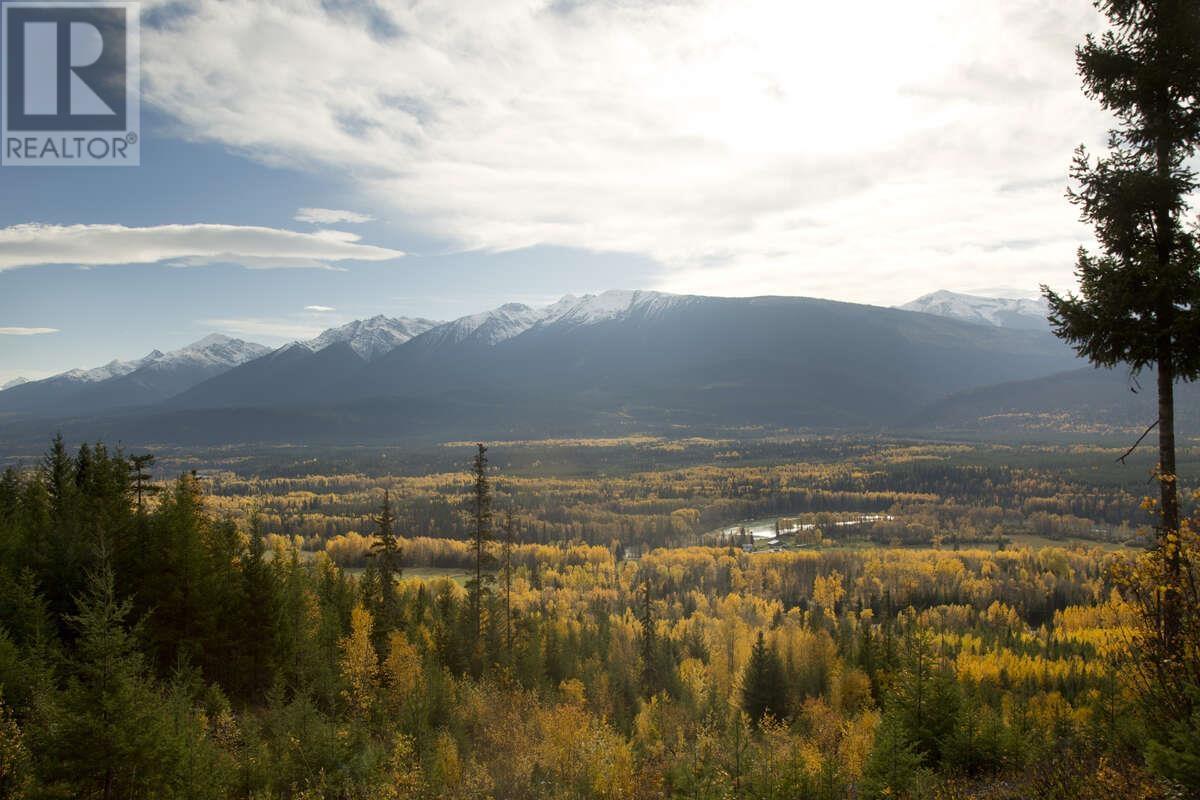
point(828, 590)
point(402, 668)
point(359, 663)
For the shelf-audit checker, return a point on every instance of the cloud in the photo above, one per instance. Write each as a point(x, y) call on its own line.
point(320, 309)
point(26, 331)
point(266, 328)
point(330, 216)
point(181, 245)
point(747, 147)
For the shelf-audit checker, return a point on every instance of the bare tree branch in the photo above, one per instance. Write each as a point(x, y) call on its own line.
point(1129, 452)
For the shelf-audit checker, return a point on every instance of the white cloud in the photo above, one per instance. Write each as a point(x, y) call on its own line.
point(263, 328)
point(26, 331)
point(759, 146)
point(330, 216)
point(320, 309)
point(180, 245)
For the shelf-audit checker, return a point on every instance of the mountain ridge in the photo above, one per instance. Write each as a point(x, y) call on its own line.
point(1002, 312)
point(615, 361)
point(374, 336)
point(152, 378)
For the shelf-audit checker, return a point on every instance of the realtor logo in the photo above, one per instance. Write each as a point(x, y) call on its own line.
point(70, 84)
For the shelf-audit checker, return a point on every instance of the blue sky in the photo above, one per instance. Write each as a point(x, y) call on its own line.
point(520, 151)
point(124, 311)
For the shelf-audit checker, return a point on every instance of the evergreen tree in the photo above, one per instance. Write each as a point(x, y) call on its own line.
point(61, 556)
point(58, 474)
point(257, 620)
point(387, 554)
point(1139, 301)
point(191, 585)
point(10, 494)
point(651, 680)
point(138, 474)
point(107, 743)
point(481, 535)
point(925, 696)
point(84, 467)
point(893, 769)
point(764, 687)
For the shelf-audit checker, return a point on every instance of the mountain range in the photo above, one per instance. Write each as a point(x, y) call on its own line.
point(374, 337)
point(151, 378)
point(620, 361)
point(1026, 313)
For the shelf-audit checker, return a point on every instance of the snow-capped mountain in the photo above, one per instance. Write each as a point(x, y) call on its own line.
point(512, 319)
point(152, 378)
point(1001, 312)
point(213, 351)
point(369, 357)
point(113, 369)
point(486, 327)
point(373, 337)
point(614, 304)
point(615, 359)
point(14, 382)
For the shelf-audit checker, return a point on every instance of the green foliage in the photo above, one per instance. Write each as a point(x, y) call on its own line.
point(386, 554)
point(925, 697)
point(257, 670)
point(1139, 300)
point(481, 535)
point(895, 767)
point(764, 688)
point(1175, 752)
point(110, 734)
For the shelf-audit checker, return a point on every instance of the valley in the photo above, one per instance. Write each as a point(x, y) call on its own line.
point(644, 493)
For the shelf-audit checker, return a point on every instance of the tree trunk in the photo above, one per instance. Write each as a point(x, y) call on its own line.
point(1168, 534)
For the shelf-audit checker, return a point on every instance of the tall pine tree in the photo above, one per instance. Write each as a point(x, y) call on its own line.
point(481, 535)
point(1139, 300)
point(387, 553)
point(651, 680)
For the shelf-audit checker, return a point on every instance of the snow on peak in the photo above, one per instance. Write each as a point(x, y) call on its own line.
point(614, 304)
point(213, 351)
point(373, 337)
point(14, 382)
point(210, 340)
point(512, 319)
point(113, 369)
point(1001, 312)
point(491, 327)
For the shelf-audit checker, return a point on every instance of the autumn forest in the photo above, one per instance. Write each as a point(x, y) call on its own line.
point(916, 620)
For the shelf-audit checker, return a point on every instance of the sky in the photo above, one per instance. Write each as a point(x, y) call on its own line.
point(309, 162)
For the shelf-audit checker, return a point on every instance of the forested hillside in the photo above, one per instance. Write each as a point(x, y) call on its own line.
point(152, 647)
